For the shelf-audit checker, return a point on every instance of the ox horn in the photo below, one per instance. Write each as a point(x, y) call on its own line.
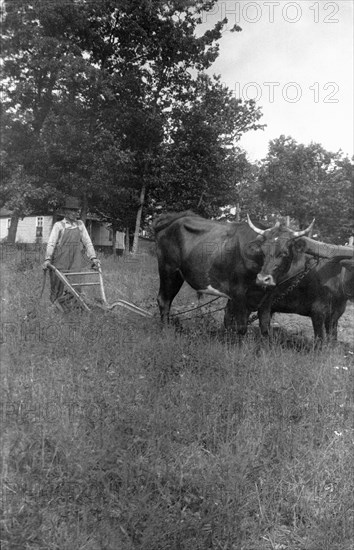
point(260, 231)
point(304, 231)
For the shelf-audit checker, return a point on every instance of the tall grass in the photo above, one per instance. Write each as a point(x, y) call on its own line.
point(120, 435)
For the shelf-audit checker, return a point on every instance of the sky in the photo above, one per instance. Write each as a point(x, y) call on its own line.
point(296, 59)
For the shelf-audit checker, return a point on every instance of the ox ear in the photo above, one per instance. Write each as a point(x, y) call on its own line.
point(253, 250)
point(348, 264)
point(300, 245)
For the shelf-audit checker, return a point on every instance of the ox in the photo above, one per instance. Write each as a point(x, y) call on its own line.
point(216, 258)
point(321, 294)
point(322, 291)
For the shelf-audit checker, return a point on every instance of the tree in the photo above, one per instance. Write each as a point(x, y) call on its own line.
point(23, 186)
point(150, 46)
point(85, 71)
point(202, 164)
point(335, 212)
point(247, 194)
point(89, 90)
point(306, 182)
point(33, 59)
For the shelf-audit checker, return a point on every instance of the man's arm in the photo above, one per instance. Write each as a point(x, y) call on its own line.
point(52, 241)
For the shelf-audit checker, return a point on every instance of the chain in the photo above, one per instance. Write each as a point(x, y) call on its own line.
point(297, 279)
point(196, 307)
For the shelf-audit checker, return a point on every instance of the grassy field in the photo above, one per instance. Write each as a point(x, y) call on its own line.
point(117, 435)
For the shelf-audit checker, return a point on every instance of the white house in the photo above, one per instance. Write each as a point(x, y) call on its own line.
point(101, 234)
point(31, 229)
point(36, 229)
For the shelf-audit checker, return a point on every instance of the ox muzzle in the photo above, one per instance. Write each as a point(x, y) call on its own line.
point(266, 281)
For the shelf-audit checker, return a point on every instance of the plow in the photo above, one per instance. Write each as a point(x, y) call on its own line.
point(72, 298)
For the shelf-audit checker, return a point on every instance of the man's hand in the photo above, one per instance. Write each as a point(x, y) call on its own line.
point(96, 264)
point(46, 264)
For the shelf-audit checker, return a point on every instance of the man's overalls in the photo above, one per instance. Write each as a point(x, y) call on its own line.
point(67, 257)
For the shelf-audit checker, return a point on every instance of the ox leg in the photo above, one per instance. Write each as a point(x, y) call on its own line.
point(331, 321)
point(319, 312)
point(331, 329)
point(318, 326)
point(236, 316)
point(264, 315)
point(170, 285)
point(229, 316)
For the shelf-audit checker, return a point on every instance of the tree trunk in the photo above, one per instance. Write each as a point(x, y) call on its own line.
point(127, 240)
point(114, 240)
point(11, 237)
point(238, 212)
point(138, 219)
point(200, 200)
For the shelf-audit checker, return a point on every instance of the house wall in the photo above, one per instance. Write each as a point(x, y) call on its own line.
point(3, 228)
point(26, 229)
point(100, 236)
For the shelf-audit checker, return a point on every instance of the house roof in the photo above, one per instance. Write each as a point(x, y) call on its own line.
point(5, 213)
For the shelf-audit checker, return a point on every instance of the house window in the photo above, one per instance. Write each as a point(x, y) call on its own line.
point(39, 226)
point(8, 223)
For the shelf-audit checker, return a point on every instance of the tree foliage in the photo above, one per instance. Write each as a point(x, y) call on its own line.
point(201, 163)
point(306, 182)
point(87, 90)
point(110, 101)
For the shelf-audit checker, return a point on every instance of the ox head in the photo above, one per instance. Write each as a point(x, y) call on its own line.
point(281, 248)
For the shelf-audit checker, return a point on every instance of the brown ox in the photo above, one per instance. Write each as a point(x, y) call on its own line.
point(216, 258)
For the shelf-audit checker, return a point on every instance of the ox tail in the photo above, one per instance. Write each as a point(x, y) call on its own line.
point(165, 220)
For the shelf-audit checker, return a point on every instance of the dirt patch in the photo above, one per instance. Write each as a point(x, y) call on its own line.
point(297, 324)
point(294, 324)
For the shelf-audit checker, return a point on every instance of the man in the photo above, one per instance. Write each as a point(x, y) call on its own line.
point(64, 247)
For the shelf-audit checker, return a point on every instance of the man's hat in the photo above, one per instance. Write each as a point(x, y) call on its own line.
point(72, 203)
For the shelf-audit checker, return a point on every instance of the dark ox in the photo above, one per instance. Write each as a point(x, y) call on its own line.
point(216, 258)
point(321, 294)
point(284, 250)
point(324, 284)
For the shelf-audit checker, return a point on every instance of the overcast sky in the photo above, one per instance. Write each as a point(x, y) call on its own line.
point(297, 57)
